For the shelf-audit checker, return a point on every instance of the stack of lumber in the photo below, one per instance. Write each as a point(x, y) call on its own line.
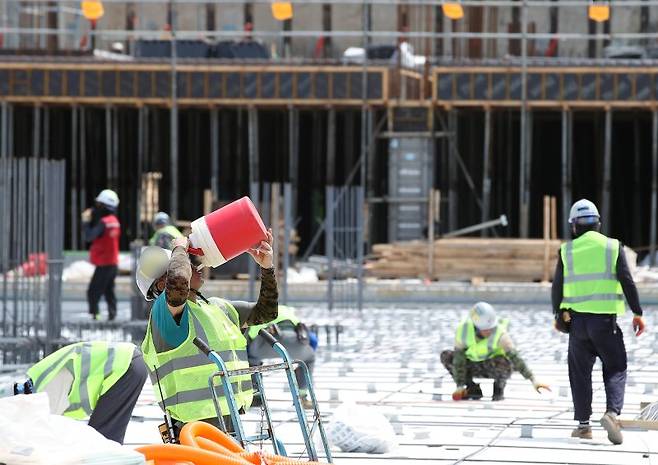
point(466, 259)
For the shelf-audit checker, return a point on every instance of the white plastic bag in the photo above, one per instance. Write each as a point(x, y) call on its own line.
point(32, 436)
point(355, 428)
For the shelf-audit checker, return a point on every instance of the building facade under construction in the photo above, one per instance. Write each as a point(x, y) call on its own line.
point(482, 115)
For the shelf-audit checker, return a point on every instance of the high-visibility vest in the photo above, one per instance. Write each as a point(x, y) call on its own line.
point(95, 367)
point(169, 229)
point(482, 349)
point(104, 250)
point(590, 275)
point(284, 314)
point(182, 372)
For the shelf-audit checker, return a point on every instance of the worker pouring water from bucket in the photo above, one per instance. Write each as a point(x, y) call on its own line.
point(591, 280)
point(180, 312)
point(484, 349)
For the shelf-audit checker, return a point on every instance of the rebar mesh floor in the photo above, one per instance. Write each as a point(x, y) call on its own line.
point(388, 359)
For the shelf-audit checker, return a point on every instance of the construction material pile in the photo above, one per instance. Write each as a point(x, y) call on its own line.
point(466, 259)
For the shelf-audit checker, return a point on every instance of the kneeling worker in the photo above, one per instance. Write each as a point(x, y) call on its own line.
point(294, 336)
point(484, 349)
point(97, 380)
point(178, 371)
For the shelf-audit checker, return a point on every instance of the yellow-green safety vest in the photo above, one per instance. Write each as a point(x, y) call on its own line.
point(284, 314)
point(169, 229)
point(482, 349)
point(95, 367)
point(590, 275)
point(183, 372)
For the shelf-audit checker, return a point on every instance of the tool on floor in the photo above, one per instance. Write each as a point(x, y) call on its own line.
point(167, 429)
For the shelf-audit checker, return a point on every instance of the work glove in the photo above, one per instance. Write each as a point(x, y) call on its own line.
point(539, 386)
point(459, 393)
point(562, 321)
point(86, 215)
point(638, 325)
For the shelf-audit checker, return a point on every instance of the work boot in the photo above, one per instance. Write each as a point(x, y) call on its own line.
point(498, 392)
point(611, 425)
point(582, 432)
point(473, 392)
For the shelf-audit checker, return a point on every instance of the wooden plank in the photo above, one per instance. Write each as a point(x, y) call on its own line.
point(639, 424)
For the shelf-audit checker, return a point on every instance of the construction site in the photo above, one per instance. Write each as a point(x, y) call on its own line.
point(414, 169)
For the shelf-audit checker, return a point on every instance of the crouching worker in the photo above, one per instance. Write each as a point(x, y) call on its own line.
point(484, 349)
point(294, 336)
point(178, 370)
point(97, 380)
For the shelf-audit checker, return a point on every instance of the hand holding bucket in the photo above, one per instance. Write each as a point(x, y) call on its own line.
point(228, 232)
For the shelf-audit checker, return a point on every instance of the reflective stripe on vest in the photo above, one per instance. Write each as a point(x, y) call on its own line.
point(83, 361)
point(182, 373)
point(482, 349)
point(590, 275)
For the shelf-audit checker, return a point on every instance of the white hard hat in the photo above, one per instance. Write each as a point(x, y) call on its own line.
point(109, 198)
point(584, 212)
point(483, 316)
point(161, 218)
point(152, 264)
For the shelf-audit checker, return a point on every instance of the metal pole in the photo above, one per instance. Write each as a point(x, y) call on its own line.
point(288, 225)
point(108, 145)
point(331, 147)
point(141, 141)
point(523, 175)
point(486, 174)
point(173, 149)
point(74, 178)
point(654, 186)
point(329, 245)
point(36, 130)
point(566, 170)
point(360, 202)
point(607, 161)
point(214, 153)
point(293, 157)
point(83, 156)
point(4, 130)
point(46, 133)
point(453, 204)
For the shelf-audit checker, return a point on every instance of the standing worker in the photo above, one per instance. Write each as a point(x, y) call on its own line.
point(484, 349)
point(591, 280)
point(103, 230)
point(97, 380)
point(180, 312)
point(288, 329)
point(165, 232)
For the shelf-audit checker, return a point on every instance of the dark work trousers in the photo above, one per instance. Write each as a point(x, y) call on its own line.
point(592, 336)
point(114, 408)
point(102, 284)
point(497, 368)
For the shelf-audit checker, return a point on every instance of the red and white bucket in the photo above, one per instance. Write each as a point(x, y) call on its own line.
point(227, 232)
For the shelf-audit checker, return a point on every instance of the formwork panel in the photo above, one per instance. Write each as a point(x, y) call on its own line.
point(197, 85)
point(551, 87)
point(233, 85)
point(183, 85)
point(285, 85)
point(91, 86)
point(37, 84)
point(267, 85)
point(514, 86)
point(624, 86)
point(144, 86)
point(588, 87)
point(109, 84)
point(356, 86)
point(607, 87)
point(250, 90)
point(322, 85)
point(535, 86)
point(340, 85)
point(4, 82)
point(481, 86)
point(445, 86)
point(126, 84)
point(162, 84)
point(463, 86)
point(643, 85)
point(215, 85)
point(498, 86)
point(72, 86)
point(570, 87)
point(55, 83)
point(20, 82)
point(304, 84)
point(375, 86)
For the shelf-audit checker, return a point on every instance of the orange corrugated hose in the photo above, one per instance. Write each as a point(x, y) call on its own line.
point(203, 444)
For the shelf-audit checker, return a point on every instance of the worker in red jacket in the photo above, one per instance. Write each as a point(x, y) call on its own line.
point(103, 230)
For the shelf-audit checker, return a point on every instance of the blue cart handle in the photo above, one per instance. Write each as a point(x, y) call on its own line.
point(268, 337)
